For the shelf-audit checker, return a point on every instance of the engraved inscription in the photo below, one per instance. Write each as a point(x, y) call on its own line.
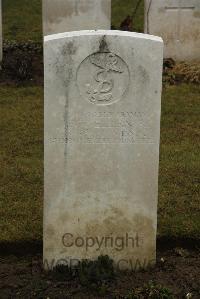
point(104, 127)
point(103, 78)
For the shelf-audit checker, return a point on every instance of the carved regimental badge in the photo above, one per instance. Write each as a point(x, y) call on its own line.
point(103, 78)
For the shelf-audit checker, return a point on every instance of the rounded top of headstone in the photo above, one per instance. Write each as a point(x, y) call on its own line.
point(102, 33)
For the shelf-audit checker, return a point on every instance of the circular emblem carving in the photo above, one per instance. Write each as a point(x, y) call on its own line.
point(103, 78)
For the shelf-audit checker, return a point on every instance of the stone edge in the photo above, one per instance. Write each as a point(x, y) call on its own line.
point(57, 36)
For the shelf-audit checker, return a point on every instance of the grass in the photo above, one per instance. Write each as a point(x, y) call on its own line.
point(21, 152)
point(21, 168)
point(179, 210)
point(22, 19)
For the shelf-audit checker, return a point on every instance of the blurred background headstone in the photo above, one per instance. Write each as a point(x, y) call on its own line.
point(71, 15)
point(178, 23)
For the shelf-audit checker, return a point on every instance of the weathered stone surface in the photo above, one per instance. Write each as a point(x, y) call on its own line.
point(178, 23)
point(71, 15)
point(102, 126)
point(1, 39)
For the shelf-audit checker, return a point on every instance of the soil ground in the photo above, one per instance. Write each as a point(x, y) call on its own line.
point(21, 275)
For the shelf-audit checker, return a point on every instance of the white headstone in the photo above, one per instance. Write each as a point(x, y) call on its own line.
point(102, 127)
point(178, 23)
point(1, 39)
point(71, 15)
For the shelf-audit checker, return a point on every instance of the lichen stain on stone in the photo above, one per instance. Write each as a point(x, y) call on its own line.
point(50, 231)
point(64, 217)
point(196, 14)
point(64, 61)
point(118, 212)
point(49, 249)
point(143, 75)
point(103, 46)
point(69, 49)
point(117, 224)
